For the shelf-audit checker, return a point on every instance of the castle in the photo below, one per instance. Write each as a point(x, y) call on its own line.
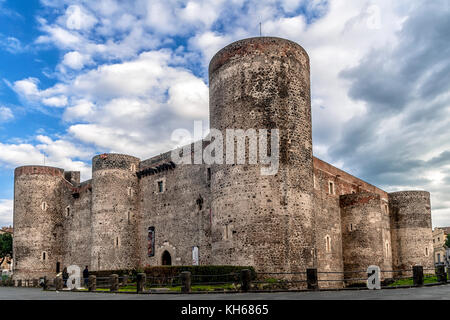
point(134, 213)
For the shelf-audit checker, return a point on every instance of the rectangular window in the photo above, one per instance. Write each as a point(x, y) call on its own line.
point(151, 241)
point(160, 186)
point(208, 174)
point(331, 187)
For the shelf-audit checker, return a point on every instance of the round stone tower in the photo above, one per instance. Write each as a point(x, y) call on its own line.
point(412, 238)
point(263, 220)
point(114, 212)
point(366, 236)
point(38, 229)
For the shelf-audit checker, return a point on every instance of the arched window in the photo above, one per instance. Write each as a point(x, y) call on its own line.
point(44, 206)
point(166, 259)
point(328, 243)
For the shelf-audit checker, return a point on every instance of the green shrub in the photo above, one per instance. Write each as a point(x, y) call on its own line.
point(169, 274)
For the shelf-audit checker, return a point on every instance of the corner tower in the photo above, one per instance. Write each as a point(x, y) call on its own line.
point(412, 237)
point(114, 212)
point(263, 220)
point(38, 228)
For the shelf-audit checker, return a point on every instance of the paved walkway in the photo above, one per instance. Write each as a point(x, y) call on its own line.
point(425, 293)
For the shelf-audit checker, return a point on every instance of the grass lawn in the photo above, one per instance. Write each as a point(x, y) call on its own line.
point(428, 278)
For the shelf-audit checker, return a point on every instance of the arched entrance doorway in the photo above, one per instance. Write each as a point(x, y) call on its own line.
point(166, 259)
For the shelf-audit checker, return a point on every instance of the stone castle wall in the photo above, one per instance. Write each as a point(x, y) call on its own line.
point(180, 212)
point(309, 214)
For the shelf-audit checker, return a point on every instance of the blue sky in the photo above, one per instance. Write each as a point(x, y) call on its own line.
point(78, 78)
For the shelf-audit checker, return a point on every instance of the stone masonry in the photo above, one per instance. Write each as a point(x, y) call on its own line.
point(134, 212)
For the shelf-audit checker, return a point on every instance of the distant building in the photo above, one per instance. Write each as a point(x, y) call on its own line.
point(441, 252)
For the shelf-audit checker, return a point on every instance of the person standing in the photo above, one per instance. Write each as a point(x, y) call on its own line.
point(86, 276)
point(65, 276)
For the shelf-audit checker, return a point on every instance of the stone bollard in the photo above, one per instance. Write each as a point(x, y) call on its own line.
point(125, 280)
point(35, 283)
point(418, 276)
point(92, 283)
point(311, 279)
point(440, 274)
point(114, 283)
point(140, 282)
point(19, 283)
point(185, 282)
point(246, 279)
point(59, 283)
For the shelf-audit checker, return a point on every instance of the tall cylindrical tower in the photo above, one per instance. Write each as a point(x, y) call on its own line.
point(114, 212)
point(412, 237)
point(263, 220)
point(366, 238)
point(38, 229)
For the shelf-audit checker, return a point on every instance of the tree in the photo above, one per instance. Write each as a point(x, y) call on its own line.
point(6, 242)
point(447, 242)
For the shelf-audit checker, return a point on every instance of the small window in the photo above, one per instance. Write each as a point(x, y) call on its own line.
point(133, 168)
point(227, 232)
point(160, 186)
point(130, 191)
point(350, 228)
point(426, 252)
point(116, 242)
point(331, 187)
point(387, 249)
point(316, 186)
point(386, 208)
point(128, 216)
point(208, 174)
point(44, 255)
point(44, 206)
point(328, 243)
point(67, 211)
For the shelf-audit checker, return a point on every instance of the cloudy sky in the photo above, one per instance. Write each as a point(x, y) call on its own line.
point(78, 78)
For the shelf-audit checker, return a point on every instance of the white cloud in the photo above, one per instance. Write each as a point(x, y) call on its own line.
point(75, 60)
point(59, 101)
point(5, 114)
point(6, 212)
point(78, 19)
point(58, 153)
